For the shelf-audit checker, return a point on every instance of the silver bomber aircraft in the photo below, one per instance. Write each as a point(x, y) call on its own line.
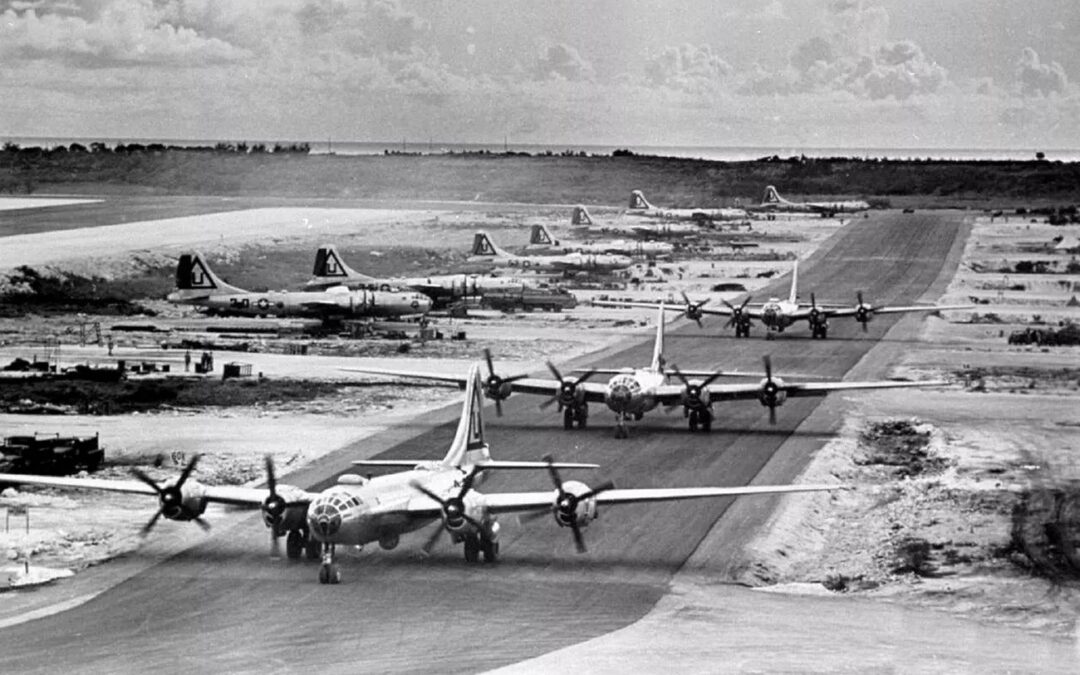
point(778, 314)
point(196, 284)
point(486, 251)
point(331, 270)
point(541, 239)
point(632, 392)
point(640, 206)
point(772, 202)
point(359, 510)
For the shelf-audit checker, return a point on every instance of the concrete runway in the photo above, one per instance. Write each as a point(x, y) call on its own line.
point(223, 606)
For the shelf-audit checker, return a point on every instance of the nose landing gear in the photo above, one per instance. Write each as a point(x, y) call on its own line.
point(620, 426)
point(329, 572)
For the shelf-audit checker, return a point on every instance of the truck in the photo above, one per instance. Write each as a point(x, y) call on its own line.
point(51, 454)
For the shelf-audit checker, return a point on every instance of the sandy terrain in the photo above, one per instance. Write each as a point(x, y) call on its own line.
point(15, 203)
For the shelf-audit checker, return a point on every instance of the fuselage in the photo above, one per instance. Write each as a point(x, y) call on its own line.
point(633, 392)
point(692, 214)
point(339, 302)
point(373, 511)
point(777, 313)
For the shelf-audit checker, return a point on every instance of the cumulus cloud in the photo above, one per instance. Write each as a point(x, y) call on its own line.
point(129, 34)
point(1035, 78)
point(562, 61)
point(687, 67)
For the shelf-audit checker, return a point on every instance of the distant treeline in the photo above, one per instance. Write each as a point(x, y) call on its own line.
point(239, 169)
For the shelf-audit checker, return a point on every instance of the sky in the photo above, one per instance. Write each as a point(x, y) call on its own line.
point(959, 74)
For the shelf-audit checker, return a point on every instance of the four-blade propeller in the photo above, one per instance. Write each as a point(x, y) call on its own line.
point(693, 310)
point(566, 502)
point(692, 393)
point(567, 388)
point(274, 507)
point(737, 313)
point(453, 508)
point(863, 311)
point(495, 385)
point(170, 496)
point(770, 390)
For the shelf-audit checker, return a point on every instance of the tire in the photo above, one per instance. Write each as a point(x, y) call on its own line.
point(693, 420)
point(472, 548)
point(824, 332)
point(568, 418)
point(582, 421)
point(294, 545)
point(706, 422)
point(324, 574)
point(490, 549)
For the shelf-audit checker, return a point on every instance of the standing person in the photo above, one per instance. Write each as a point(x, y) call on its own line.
point(187, 360)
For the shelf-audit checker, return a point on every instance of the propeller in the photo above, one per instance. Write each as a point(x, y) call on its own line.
point(736, 312)
point(862, 311)
point(693, 310)
point(693, 391)
point(170, 497)
point(274, 507)
point(453, 508)
point(494, 384)
point(567, 388)
point(815, 313)
point(566, 502)
point(770, 390)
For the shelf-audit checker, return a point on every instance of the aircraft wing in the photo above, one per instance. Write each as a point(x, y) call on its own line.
point(851, 311)
point(225, 494)
point(594, 392)
point(728, 392)
point(511, 502)
point(752, 310)
point(491, 464)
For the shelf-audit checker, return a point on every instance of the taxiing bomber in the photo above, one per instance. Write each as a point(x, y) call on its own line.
point(778, 314)
point(358, 510)
point(632, 392)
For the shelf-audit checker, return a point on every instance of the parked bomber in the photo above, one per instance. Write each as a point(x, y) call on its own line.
point(641, 207)
point(632, 392)
point(196, 284)
point(331, 270)
point(540, 238)
point(359, 510)
point(777, 314)
point(486, 251)
point(772, 202)
point(583, 221)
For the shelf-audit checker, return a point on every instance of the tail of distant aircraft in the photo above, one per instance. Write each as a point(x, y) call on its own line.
point(658, 362)
point(581, 216)
point(194, 278)
point(794, 293)
point(771, 196)
point(541, 236)
point(330, 267)
point(469, 446)
point(484, 246)
point(638, 201)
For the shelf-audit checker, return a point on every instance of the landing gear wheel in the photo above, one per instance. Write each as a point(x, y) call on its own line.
point(582, 419)
point(568, 418)
point(824, 332)
point(490, 549)
point(693, 420)
point(294, 545)
point(706, 421)
point(769, 335)
point(472, 548)
point(329, 573)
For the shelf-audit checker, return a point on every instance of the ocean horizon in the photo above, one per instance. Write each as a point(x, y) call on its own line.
point(714, 153)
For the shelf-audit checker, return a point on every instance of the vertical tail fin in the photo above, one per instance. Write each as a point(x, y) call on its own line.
point(483, 245)
point(794, 293)
point(469, 445)
point(330, 267)
point(638, 201)
point(195, 276)
point(658, 362)
point(541, 236)
point(771, 196)
point(581, 216)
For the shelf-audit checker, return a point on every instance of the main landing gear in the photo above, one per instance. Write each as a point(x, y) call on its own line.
point(329, 572)
point(578, 414)
point(742, 330)
point(299, 542)
point(480, 544)
point(819, 331)
point(700, 419)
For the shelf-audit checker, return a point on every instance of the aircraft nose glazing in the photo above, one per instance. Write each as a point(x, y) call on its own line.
point(326, 519)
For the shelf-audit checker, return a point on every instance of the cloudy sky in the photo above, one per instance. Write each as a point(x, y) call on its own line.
point(810, 73)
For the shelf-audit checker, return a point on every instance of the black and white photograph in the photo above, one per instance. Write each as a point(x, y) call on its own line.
point(494, 336)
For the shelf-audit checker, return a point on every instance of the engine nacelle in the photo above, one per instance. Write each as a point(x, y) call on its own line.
point(582, 511)
point(472, 505)
point(497, 389)
point(695, 398)
point(772, 392)
point(291, 517)
point(186, 503)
